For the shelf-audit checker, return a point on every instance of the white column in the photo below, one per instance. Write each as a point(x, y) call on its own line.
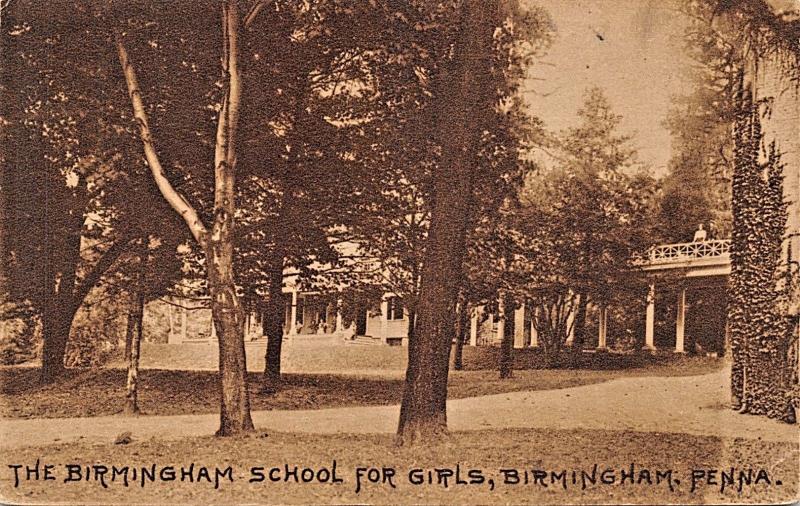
point(501, 313)
point(384, 319)
point(338, 328)
point(571, 327)
point(534, 332)
point(650, 318)
point(184, 324)
point(293, 315)
point(602, 328)
point(473, 328)
point(519, 327)
point(680, 321)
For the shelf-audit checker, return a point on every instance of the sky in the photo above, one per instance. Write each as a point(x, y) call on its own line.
point(632, 49)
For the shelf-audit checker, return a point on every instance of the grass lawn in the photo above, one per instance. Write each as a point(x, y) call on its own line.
point(310, 358)
point(482, 452)
point(96, 392)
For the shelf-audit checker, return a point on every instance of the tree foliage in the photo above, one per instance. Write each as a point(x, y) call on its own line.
point(584, 222)
point(73, 190)
point(698, 184)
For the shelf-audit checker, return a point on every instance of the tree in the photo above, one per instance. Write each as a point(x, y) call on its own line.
point(697, 188)
point(133, 336)
point(464, 98)
point(462, 324)
point(762, 282)
point(584, 222)
point(215, 240)
point(296, 214)
point(507, 345)
point(149, 271)
point(56, 185)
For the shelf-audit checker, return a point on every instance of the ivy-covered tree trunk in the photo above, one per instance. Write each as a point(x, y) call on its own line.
point(759, 331)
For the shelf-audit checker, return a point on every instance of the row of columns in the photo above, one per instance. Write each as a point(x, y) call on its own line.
point(519, 323)
point(650, 320)
point(602, 332)
point(680, 323)
point(293, 315)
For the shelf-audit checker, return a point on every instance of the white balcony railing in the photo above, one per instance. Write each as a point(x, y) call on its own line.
point(667, 253)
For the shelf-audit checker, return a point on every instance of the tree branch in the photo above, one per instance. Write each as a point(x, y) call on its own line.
point(170, 194)
point(93, 276)
point(252, 13)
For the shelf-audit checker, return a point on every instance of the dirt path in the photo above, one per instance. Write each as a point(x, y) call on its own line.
point(688, 404)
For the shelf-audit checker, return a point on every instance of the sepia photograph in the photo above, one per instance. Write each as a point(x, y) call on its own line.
point(399, 252)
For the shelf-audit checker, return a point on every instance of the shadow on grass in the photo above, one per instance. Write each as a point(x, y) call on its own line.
point(98, 392)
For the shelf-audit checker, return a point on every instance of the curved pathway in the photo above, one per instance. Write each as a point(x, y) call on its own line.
point(687, 404)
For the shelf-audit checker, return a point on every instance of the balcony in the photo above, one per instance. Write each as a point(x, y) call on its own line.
point(668, 253)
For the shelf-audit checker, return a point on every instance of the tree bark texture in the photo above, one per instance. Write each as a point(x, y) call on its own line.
point(274, 318)
point(136, 317)
point(56, 323)
point(580, 322)
point(462, 93)
point(226, 308)
point(462, 324)
point(130, 328)
point(507, 344)
point(217, 243)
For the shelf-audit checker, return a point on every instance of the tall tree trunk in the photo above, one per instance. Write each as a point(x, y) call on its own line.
point(274, 318)
point(56, 324)
point(759, 328)
point(60, 307)
point(463, 94)
point(462, 324)
point(228, 318)
point(507, 345)
point(130, 327)
point(132, 388)
point(217, 243)
point(4, 224)
point(578, 331)
point(226, 308)
point(580, 322)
